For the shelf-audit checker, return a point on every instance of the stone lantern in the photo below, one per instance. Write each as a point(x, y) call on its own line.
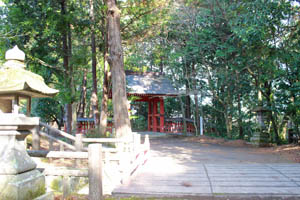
point(260, 136)
point(19, 178)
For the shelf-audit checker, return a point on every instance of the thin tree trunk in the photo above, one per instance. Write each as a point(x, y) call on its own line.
point(228, 114)
point(116, 62)
point(73, 106)
point(187, 102)
point(94, 98)
point(228, 120)
point(81, 111)
point(240, 122)
point(183, 116)
point(68, 106)
point(197, 119)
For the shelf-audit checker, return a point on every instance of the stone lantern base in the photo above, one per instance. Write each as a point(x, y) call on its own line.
point(19, 178)
point(27, 185)
point(260, 139)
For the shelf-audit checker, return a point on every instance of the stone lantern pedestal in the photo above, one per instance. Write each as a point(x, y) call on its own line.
point(19, 178)
point(260, 137)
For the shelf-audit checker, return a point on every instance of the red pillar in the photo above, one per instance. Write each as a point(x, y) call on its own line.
point(154, 118)
point(162, 114)
point(149, 114)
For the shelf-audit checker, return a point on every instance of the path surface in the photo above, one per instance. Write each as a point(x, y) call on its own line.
point(179, 168)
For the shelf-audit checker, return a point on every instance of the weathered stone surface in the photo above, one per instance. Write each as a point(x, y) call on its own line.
point(24, 186)
point(16, 80)
point(8, 119)
point(47, 196)
point(14, 161)
point(260, 139)
point(5, 106)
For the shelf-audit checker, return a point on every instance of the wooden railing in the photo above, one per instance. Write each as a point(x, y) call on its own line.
point(129, 154)
point(94, 171)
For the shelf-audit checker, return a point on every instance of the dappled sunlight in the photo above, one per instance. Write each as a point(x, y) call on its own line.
point(165, 166)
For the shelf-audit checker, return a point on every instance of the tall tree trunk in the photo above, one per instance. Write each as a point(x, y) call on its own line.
point(183, 116)
point(106, 78)
point(65, 52)
point(240, 121)
point(272, 116)
point(104, 103)
point(228, 120)
point(188, 106)
point(116, 62)
point(94, 98)
point(72, 85)
point(81, 111)
point(187, 101)
point(197, 119)
point(228, 114)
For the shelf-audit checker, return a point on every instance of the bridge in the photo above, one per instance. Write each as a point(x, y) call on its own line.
point(180, 168)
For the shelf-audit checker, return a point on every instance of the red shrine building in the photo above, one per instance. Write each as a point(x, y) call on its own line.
point(151, 87)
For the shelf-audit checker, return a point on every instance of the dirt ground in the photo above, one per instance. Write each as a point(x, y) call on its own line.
point(214, 150)
point(289, 151)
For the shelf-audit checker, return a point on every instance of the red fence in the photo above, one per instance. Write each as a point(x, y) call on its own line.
point(174, 125)
point(85, 124)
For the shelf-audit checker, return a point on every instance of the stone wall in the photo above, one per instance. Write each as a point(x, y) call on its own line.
point(5, 106)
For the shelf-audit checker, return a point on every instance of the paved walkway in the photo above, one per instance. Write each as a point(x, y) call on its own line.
point(180, 168)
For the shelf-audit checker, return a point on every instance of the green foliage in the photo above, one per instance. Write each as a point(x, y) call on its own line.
point(225, 52)
point(237, 49)
point(49, 109)
point(95, 133)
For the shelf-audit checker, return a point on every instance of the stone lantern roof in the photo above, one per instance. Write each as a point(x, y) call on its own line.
point(16, 80)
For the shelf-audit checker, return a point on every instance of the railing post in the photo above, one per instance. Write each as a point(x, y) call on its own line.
point(78, 142)
point(95, 171)
point(50, 148)
point(78, 146)
point(61, 148)
point(137, 141)
point(65, 187)
point(36, 138)
point(147, 142)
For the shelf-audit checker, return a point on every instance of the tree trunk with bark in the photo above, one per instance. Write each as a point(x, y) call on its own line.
point(94, 98)
point(82, 105)
point(187, 101)
point(197, 118)
point(116, 62)
point(106, 79)
point(183, 116)
point(104, 103)
point(240, 119)
point(65, 52)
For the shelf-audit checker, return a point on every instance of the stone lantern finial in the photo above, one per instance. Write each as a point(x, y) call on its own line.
point(15, 54)
point(14, 58)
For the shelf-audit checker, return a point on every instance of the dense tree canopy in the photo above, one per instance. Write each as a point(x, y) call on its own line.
point(229, 57)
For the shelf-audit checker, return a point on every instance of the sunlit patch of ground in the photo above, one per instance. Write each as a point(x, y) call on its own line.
point(289, 151)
